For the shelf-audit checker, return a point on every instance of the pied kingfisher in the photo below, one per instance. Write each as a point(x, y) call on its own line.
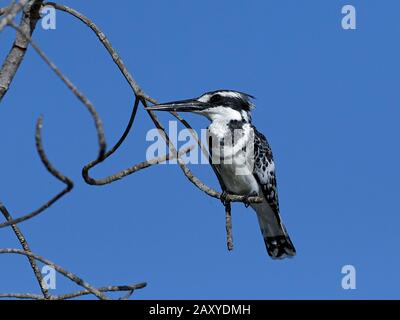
point(230, 112)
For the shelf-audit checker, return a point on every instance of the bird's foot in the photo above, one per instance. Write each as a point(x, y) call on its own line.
point(224, 198)
point(246, 200)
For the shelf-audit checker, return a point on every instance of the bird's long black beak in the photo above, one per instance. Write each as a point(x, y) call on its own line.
point(189, 105)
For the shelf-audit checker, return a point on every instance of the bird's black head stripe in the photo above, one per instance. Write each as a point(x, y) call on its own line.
point(240, 102)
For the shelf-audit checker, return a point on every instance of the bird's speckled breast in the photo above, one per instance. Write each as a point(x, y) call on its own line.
point(233, 163)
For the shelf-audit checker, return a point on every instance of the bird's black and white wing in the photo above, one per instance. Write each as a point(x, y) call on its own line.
point(275, 236)
point(264, 170)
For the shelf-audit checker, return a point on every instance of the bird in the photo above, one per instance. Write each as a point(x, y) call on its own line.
point(242, 158)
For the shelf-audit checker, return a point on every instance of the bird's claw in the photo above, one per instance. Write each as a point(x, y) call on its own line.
point(224, 198)
point(246, 200)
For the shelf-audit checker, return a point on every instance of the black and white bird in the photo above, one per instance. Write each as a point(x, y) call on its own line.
point(231, 135)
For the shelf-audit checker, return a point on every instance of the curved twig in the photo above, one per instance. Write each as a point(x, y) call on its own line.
point(137, 167)
point(11, 12)
point(92, 110)
point(129, 288)
point(6, 75)
point(18, 50)
point(25, 246)
point(107, 44)
point(86, 168)
point(54, 172)
point(130, 170)
point(139, 93)
point(59, 269)
point(144, 97)
point(31, 296)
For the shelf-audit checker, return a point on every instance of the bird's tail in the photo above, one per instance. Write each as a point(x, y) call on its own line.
point(279, 247)
point(276, 238)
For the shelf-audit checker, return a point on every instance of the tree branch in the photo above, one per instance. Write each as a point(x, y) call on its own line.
point(11, 12)
point(14, 58)
point(54, 172)
point(59, 269)
point(92, 110)
point(107, 44)
point(98, 292)
point(8, 70)
point(25, 246)
point(144, 97)
point(123, 288)
point(130, 289)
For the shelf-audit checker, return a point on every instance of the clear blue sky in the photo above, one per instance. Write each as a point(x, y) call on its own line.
point(327, 99)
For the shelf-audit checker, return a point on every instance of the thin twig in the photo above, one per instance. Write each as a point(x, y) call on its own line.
point(22, 296)
point(130, 289)
point(11, 12)
point(228, 224)
point(132, 169)
point(8, 9)
point(144, 97)
point(92, 164)
point(137, 167)
point(92, 110)
point(79, 281)
point(25, 246)
point(54, 172)
point(9, 68)
point(18, 50)
point(123, 288)
point(7, 72)
point(107, 44)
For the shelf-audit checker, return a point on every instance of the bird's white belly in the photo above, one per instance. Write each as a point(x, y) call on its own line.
point(238, 179)
point(232, 164)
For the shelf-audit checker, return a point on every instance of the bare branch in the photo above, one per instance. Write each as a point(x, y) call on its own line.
point(21, 296)
point(98, 292)
point(228, 223)
point(7, 72)
point(144, 97)
point(107, 44)
point(11, 12)
point(17, 53)
point(133, 169)
point(52, 170)
point(59, 269)
point(130, 289)
point(74, 90)
point(25, 246)
point(139, 92)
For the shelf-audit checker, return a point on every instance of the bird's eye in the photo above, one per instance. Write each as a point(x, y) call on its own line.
point(216, 99)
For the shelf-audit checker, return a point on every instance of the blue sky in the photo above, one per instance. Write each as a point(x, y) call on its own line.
point(327, 99)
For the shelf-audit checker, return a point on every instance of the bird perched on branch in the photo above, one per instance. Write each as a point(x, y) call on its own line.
point(242, 158)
